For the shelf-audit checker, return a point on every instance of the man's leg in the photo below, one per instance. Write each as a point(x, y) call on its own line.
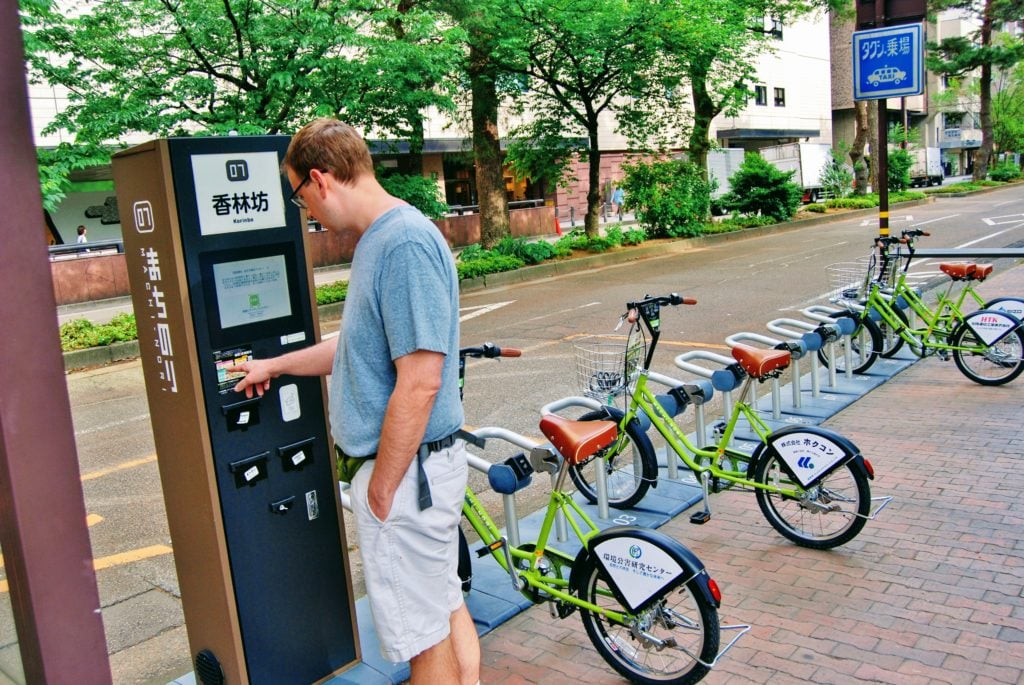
point(455, 659)
point(466, 645)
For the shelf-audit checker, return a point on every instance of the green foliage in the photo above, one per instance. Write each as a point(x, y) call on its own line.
point(421, 192)
point(862, 202)
point(186, 68)
point(904, 196)
point(816, 208)
point(599, 244)
point(529, 252)
point(900, 162)
point(1006, 170)
point(759, 187)
point(80, 334)
point(330, 293)
point(576, 239)
point(836, 179)
point(634, 236)
point(489, 264)
point(670, 199)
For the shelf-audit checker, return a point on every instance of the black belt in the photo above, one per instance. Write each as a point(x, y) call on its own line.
point(424, 451)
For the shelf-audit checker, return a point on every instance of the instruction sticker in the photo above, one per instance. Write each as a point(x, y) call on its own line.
point(990, 325)
point(290, 409)
point(638, 568)
point(808, 455)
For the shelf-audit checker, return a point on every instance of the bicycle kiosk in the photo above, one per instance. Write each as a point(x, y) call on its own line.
point(219, 274)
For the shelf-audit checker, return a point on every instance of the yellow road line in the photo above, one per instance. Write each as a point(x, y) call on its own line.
point(120, 467)
point(117, 559)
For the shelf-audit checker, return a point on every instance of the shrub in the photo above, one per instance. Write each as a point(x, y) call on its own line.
point(82, 333)
point(419, 191)
point(900, 162)
point(530, 253)
point(493, 263)
point(836, 179)
point(670, 199)
point(634, 236)
point(599, 244)
point(614, 236)
point(862, 202)
point(816, 208)
point(1004, 171)
point(330, 293)
point(760, 188)
point(471, 252)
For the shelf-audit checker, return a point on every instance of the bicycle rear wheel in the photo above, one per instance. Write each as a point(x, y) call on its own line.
point(866, 344)
point(669, 637)
point(630, 466)
point(998, 364)
point(832, 513)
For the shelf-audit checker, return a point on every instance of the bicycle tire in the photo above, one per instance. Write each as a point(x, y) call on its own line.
point(797, 522)
point(683, 615)
point(891, 340)
point(998, 365)
point(867, 342)
point(626, 486)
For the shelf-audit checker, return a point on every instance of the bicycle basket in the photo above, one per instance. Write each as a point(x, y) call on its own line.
point(605, 367)
point(849, 280)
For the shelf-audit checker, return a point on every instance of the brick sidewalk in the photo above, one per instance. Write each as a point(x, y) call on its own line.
point(931, 592)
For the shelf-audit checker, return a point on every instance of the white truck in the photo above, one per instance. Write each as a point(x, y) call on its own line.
point(926, 168)
point(806, 160)
point(722, 164)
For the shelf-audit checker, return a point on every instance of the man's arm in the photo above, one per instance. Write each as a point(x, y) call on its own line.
point(317, 360)
point(405, 422)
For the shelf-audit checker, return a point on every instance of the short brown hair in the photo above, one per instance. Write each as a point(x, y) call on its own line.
point(329, 145)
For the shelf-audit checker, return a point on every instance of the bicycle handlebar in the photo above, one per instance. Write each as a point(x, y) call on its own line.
point(661, 300)
point(489, 351)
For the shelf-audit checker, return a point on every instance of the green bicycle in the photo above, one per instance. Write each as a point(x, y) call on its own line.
point(647, 603)
point(811, 484)
point(986, 344)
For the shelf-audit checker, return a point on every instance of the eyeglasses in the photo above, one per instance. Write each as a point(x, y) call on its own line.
point(297, 199)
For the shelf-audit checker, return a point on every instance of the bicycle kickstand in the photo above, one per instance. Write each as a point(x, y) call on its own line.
point(702, 517)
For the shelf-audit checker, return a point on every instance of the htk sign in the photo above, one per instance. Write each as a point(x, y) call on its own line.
point(888, 62)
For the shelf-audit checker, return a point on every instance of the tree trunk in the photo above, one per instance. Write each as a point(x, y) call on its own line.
point(490, 185)
point(591, 223)
point(872, 108)
point(704, 110)
point(860, 141)
point(983, 154)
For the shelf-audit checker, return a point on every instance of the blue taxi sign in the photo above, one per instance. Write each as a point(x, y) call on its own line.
point(888, 62)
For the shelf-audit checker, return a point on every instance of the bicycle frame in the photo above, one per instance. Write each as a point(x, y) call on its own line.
point(533, 575)
point(939, 321)
point(689, 453)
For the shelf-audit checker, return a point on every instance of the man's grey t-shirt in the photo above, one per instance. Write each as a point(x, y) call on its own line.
point(403, 296)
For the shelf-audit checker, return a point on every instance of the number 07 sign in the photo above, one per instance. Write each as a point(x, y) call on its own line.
point(888, 62)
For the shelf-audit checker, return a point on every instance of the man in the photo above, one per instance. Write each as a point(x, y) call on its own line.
point(394, 400)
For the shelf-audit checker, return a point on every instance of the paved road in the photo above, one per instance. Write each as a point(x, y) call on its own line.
point(740, 285)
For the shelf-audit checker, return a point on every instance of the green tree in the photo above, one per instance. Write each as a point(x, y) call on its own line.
point(578, 60)
point(1008, 113)
point(670, 198)
point(759, 187)
point(963, 55)
point(189, 67)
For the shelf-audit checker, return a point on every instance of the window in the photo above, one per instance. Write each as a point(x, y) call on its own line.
point(775, 30)
point(761, 95)
point(780, 97)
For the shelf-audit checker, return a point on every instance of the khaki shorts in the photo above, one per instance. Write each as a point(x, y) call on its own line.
point(410, 561)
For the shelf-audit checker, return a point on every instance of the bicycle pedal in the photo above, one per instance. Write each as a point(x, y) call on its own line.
point(488, 549)
point(700, 518)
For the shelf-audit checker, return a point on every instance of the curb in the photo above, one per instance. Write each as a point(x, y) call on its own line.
point(99, 356)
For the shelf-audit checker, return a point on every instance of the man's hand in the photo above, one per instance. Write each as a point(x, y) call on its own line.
point(258, 373)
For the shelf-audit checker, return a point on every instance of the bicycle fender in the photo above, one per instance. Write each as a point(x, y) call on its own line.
point(1010, 305)
point(640, 565)
point(615, 414)
point(991, 325)
point(807, 453)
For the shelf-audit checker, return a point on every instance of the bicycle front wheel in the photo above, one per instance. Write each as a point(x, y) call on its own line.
point(827, 515)
point(629, 463)
point(664, 644)
point(996, 364)
point(866, 343)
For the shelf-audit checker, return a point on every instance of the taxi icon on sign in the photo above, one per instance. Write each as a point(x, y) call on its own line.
point(886, 75)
